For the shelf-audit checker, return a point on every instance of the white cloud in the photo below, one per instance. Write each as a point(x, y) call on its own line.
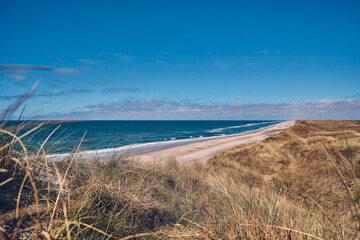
point(168, 109)
point(17, 77)
point(66, 71)
point(117, 90)
point(88, 61)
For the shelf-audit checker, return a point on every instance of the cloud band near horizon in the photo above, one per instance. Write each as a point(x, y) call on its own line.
point(157, 108)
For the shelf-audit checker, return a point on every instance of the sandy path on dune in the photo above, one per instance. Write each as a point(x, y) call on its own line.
point(204, 150)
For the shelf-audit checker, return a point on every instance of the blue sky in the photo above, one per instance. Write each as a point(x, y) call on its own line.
point(183, 59)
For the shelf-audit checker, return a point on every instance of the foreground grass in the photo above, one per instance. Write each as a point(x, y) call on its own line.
point(301, 184)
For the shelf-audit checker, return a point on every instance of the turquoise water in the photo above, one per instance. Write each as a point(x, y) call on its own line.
point(140, 135)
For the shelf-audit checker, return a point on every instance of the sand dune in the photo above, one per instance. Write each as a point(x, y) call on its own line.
point(204, 150)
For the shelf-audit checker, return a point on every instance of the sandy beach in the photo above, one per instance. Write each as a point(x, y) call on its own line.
point(204, 150)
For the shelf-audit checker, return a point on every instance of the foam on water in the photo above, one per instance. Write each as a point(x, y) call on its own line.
point(139, 148)
point(242, 126)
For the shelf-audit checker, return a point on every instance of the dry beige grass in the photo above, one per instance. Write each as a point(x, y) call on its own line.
point(296, 162)
point(301, 184)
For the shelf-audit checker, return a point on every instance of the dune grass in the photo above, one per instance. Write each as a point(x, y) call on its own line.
point(301, 184)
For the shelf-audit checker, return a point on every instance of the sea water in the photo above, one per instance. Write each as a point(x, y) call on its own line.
point(137, 136)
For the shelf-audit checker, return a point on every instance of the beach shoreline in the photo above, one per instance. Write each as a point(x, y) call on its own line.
point(147, 147)
point(202, 151)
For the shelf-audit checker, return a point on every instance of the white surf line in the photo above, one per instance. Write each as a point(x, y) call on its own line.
point(204, 150)
point(141, 148)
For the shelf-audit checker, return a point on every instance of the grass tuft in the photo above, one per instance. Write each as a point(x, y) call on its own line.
point(301, 184)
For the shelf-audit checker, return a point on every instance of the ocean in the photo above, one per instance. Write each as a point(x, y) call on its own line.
point(136, 136)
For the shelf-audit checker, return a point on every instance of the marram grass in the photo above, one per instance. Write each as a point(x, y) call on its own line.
point(301, 184)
